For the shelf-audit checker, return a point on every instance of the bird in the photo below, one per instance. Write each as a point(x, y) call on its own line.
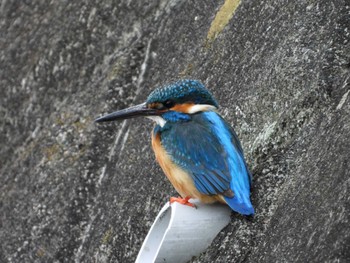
point(196, 148)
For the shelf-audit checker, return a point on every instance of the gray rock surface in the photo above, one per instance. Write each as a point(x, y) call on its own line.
point(71, 190)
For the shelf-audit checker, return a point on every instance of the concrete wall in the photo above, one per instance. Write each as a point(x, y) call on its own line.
point(71, 190)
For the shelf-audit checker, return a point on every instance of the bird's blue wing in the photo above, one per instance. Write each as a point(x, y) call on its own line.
point(194, 147)
point(210, 151)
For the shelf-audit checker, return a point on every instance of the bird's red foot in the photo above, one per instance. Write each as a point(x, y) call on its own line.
point(183, 201)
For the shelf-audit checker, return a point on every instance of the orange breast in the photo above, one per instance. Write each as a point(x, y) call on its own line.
point(179, 178)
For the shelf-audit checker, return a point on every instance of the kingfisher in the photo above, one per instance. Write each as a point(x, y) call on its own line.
point(196, 148)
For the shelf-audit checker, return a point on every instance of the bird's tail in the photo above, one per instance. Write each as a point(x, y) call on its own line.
point(241, 204)
point(240, 185)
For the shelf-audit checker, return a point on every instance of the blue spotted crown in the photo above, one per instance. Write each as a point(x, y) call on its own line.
point(183, 91)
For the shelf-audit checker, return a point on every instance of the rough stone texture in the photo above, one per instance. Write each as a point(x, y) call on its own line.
point(71, 190)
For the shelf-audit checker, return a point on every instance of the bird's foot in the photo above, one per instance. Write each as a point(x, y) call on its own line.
point(183, 201)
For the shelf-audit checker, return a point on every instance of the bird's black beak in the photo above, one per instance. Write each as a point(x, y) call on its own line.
point(132, 112)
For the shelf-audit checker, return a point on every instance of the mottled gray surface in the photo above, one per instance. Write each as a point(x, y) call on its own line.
point(71, 190)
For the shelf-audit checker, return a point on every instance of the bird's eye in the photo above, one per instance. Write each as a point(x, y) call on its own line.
point(169, 104)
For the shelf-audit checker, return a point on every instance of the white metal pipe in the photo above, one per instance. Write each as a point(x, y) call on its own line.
point(180, 232)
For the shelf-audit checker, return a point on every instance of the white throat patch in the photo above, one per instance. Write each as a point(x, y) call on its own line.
point(159, 120)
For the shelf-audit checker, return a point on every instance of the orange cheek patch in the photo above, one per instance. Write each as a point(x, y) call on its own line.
point(184, 108)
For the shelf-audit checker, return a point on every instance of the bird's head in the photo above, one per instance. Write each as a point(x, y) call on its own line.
point(172, 102)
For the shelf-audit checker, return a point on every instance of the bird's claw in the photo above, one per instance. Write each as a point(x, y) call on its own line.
point(183, 201)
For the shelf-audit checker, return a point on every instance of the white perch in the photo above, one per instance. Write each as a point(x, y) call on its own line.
point(181, 232)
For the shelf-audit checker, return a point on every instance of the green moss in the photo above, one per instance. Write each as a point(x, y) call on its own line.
point(82, 125)
point(107, 237)
point(51, 151)
point(116, 70)
point(63, 118)
point(187, 71)
point(40, 253)
point(222, 17)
